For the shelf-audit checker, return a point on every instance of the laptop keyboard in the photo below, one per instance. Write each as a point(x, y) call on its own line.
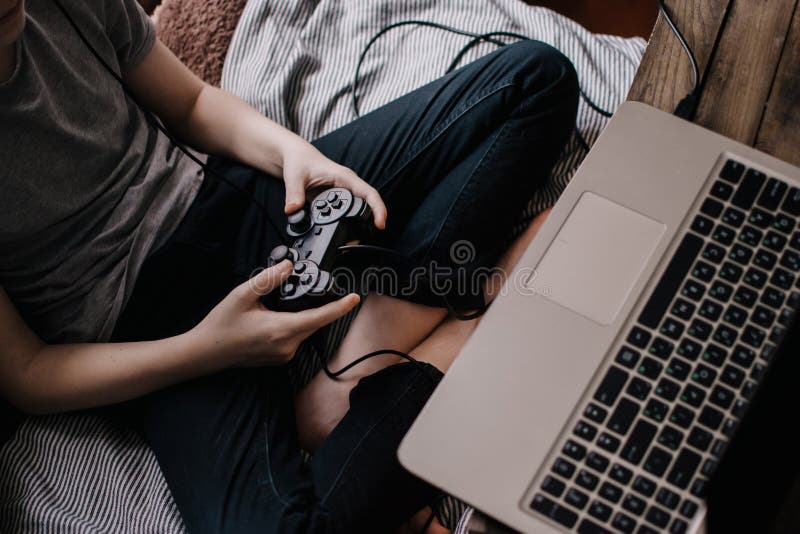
point(639, 457)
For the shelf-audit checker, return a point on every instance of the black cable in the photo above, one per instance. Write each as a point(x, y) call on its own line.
point(476, 38)
point(333, 375)
point(687, 107)
point(160, 128)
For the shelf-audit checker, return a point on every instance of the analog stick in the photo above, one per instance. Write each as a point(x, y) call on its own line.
point(279, 254)
point(299, 222)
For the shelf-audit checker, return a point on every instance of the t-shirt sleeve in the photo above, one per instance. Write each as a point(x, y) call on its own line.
point(130, 30)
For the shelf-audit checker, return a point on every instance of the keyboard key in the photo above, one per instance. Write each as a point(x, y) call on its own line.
point(755, 278)
point(777, 335)
point(791, 260)
point(753, 336)
point(743, 356)
point(714, 253)
point(714, 354)
point(610, 492)
point(634, 504)
point(656, 410)
point(587, 480)
point(772, 195)
point(657, 516)
point(699, 439)
point(585, 430)
point(745, 296)
point(638, 388)
point(795, 241)
point(730, 272)
point(765, 259)
point(661, 348)
point(681, 416)
point(749, 389)
point(657, 461)
point(775, 241)
point(729, 428)
point(748, 189)
point(599, 510)
point(699, 488)
point(712, 208)
point(688, 509)
point(684, 468)
point(590, 527)
point(709, 466)
point(678, 369)
point(679, 526)
point(791, 204)
point(627, 357)
point(667, 389)
point(553, 486)
point(670, 437)
point(556, 512)
point(668, 498)
point(721, 190)
point(721, 291)
point(735, 315)
point(732, 376)
point(700, 329)
point(710, 310)
point(683, 309)
point(702, 225)
point(623, 523)
point(692, 395)
point(710, 418)
point(574, 450)
point(639, 337)
point(623, 416)
point(725, 335)
point(732, 171)
point(598, 462)
point(672, 329)
point(740, 254)
point(645, 486)
point(611, 386)
point(739, 408)
point(718, 449)
point(733, 217)
point(595, 413)
point(763, 317)
point(782, 279)
point(650, 368)
point(620, 473)
point(564, 468)
point(638, 442)
point(723, 234)
point(693, 290)
point(751, 236)
point(576, 498)
point(773, 298)
point(671, 280)
point(784, 224)
point(689, 349)
point(722, 397)
point(760, 218)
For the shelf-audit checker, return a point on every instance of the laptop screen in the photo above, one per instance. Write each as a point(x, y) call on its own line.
point(759, 476)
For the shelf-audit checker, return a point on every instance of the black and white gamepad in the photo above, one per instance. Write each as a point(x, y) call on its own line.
point(334, 218)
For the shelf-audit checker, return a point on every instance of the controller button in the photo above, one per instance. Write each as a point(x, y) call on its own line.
point(318, 231)
point(320, 204)
point(325, 211)
point(289, 289)
point(307, 255)
point(299, 222)
point(333, 196)
point(299, 267)
point(279, 254)
point(337, 204)
point(306, 279)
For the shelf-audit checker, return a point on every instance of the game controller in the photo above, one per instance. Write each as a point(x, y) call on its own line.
point(334, 218)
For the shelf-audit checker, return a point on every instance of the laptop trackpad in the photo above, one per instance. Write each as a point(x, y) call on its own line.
point(596, 258)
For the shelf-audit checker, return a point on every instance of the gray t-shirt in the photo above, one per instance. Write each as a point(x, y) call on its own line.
point(87, 187)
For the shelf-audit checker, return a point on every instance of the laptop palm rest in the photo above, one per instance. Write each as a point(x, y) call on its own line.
point(596, 258)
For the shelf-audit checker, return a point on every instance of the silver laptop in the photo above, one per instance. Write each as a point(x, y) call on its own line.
point(601, 388)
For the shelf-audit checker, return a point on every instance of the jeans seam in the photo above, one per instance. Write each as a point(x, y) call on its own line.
point(346, 463)
point(457, 114)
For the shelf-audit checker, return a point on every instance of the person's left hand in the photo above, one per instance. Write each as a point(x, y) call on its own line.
point(305, 167)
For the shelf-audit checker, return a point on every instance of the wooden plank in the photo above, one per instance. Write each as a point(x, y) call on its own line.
point(665, 74)
point(779, 133)
point(740, 78)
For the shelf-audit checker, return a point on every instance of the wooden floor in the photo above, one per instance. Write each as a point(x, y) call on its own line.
point(618, 17)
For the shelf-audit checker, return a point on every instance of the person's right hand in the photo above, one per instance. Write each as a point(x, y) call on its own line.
point(242, 329)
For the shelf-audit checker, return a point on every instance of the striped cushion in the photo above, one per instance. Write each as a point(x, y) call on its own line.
point(293, 60)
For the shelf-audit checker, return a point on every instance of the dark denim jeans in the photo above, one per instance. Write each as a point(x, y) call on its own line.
point(455, 160)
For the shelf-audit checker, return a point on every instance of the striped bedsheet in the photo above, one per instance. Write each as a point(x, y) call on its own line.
point(294, 60)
